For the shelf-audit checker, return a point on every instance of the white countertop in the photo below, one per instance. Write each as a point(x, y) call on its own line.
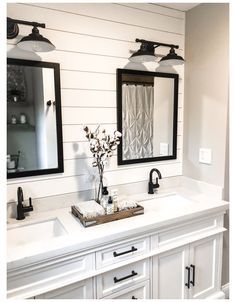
point(159, 212)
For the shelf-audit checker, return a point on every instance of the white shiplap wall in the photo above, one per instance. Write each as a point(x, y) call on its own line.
point(92, 41)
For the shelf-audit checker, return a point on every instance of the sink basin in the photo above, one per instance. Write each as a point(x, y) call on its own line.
point(168, 203)
point(35, 232)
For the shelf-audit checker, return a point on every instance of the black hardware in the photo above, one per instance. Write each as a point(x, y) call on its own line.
point(147, 48)
point(193, 278)
point(151, 185)
point(49, 103)
point(188, 283)
point(21, 210)
point(157, 44)
point(133, 249)
point(13, 28)
point(133, 298)
point(126, 277)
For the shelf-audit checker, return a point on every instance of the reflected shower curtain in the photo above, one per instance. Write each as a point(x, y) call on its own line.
point(137, 116)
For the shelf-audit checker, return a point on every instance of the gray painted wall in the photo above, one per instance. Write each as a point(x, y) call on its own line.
point(206, 97)
point(206, 83)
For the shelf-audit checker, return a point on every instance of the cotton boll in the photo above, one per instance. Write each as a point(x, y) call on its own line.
point(111, 139)
point(93, 142)
point(117, 133)
point(86, 129)
point(100, 136)
point(105, 146)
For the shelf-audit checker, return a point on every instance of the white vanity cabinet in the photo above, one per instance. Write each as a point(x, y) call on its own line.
point(138, 291)
point(80, 290)
point(123, 277)
point(168, 271)
point(181, 259)
point(189, 272)
point(206, 256)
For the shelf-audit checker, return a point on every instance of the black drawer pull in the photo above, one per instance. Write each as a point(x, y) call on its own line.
point(193, 279)
point(126, 277)
point(133, 249)
point(133, 298)
point(188, 283)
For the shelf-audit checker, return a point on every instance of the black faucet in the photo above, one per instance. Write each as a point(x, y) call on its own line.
point(21, 210)
point(151, 185)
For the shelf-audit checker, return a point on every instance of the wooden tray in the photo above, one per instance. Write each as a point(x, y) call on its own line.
point(87, 222)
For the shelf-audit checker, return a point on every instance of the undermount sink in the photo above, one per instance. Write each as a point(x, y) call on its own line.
point(168, 203)
point(35, 232)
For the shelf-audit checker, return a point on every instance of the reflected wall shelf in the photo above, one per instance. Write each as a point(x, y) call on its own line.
point(19, 104)
point(26, 127)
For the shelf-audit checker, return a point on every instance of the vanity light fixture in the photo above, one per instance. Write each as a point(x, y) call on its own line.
point(146, 53)
point(34, 41)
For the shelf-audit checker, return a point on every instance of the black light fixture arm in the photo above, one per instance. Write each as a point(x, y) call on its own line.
point(13, 28)
point(34, 24)
point(157, 44)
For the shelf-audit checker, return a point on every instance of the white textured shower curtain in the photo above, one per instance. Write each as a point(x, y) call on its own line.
point(137, 116)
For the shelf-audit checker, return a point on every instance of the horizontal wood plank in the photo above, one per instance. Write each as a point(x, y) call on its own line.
point(122, 15)
point(156, 9)
point(92, 41)
point(57, 186)
point(96, 27)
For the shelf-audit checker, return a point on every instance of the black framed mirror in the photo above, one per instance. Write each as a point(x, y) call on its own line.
point(34, 125)
point(147, 113)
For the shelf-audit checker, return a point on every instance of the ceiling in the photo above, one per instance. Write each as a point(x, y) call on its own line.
point(179, 6)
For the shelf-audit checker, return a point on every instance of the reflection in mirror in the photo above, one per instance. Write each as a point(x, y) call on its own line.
point(34, 139)
point(147, 105)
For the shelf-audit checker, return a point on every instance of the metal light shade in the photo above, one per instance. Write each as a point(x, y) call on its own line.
point(146, 53)
point(35, 42)
point(171, 59)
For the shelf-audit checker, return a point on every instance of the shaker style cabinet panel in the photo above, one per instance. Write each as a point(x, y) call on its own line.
point(80, 290)
point(205, 255)
point(169, 274)
point(138, 291)
point(121, 252)
point(188, 272)
point(121, 278)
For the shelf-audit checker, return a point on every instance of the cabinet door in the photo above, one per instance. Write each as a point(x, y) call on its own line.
point(169, 274)
point(206, 256)
point(79, 290)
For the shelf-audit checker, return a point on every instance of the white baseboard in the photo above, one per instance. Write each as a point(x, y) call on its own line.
point(225, 289)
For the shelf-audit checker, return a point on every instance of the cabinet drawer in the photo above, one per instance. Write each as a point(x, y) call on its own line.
point(121, 252)
point(138, 291)
point(122, 277)
point(195, 227)
point(79, 290)
point(49, 272)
